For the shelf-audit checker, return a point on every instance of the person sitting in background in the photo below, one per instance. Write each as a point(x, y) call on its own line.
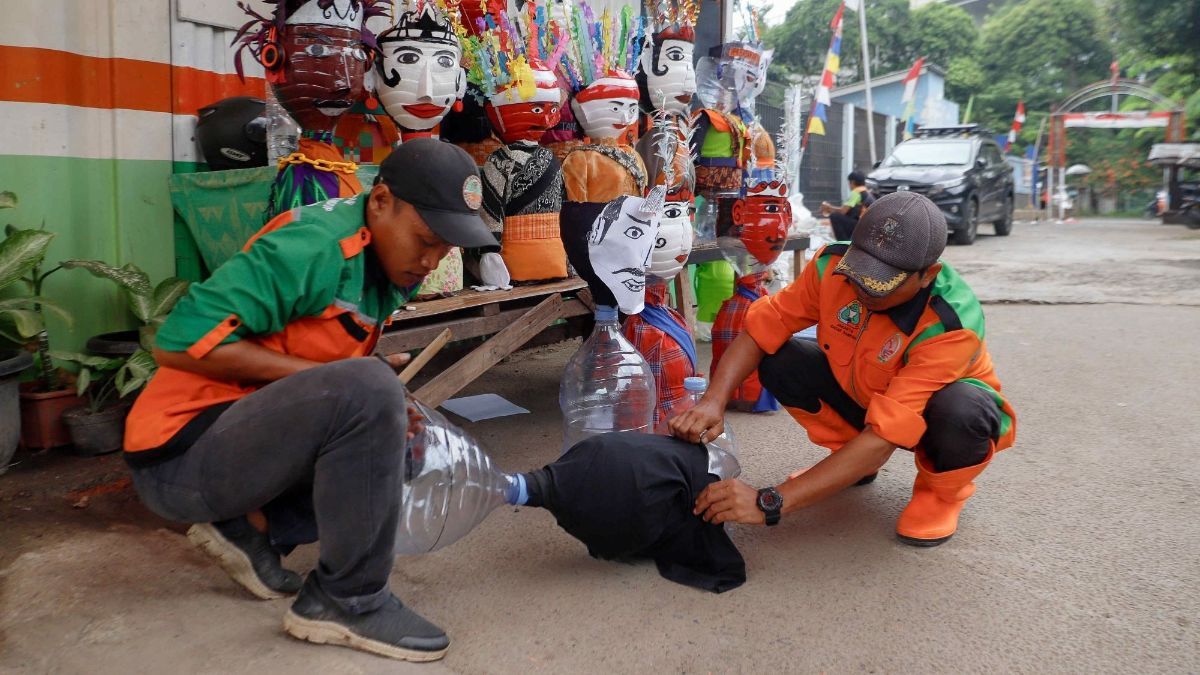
point(843, 218)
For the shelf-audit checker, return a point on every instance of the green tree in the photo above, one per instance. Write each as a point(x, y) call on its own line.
point(940, 33)
point(802, 40)
point(1040, 52)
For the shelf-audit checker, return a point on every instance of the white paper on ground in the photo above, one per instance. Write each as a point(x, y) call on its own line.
point(483, 407)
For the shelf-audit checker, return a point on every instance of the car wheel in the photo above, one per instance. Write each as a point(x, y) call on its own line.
point(965, 235)
point(1004, 225)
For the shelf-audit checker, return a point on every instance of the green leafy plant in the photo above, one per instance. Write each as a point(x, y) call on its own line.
point(104, 380)
point(23, 318)
point(149, 303)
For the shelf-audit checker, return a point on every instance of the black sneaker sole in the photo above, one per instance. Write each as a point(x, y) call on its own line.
point(333, 633)
point(231, 559)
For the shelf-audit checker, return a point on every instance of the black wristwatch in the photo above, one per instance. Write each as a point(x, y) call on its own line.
point(770, 502)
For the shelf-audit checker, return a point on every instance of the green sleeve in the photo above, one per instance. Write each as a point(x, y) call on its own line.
point(854, 199)
point(289, 273)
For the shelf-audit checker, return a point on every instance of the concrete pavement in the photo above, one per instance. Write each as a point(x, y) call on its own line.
point(1079, 553)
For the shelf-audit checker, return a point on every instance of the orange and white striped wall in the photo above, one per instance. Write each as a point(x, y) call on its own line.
point(97, 109)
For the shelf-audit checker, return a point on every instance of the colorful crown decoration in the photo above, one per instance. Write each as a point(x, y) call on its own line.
point(498, 59)
point(604, 47)
point(261, 32)
point(427, 22)
point(775, 188)
point(674, 19)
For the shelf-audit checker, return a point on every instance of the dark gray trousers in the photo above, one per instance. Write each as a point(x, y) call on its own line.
point(333, 434)
point(961, 420)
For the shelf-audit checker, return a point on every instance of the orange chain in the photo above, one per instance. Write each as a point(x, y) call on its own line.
point(322, 164)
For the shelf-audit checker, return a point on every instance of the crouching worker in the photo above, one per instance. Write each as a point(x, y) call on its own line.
point(267, 400)
point(899, 362)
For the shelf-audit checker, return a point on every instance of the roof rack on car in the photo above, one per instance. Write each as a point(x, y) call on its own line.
point(954, 130)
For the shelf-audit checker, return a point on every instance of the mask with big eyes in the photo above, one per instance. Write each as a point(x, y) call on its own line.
point(759, 232)
point(674, 241)
point(420, 79)
point(607, 107)
point(514, 118)
point(619, 246)
point(322, 73)
point(670, 74)
point(521, 121)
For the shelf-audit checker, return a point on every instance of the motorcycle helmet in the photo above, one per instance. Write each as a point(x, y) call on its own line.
point(232, 133)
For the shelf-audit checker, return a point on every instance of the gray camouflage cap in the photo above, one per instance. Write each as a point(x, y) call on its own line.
point(901, 233)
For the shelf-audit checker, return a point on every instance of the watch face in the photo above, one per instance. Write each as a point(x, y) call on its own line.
point(769, 500)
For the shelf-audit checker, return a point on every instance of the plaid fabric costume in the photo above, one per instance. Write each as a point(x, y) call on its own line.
point(668, 360)
point(730, 322)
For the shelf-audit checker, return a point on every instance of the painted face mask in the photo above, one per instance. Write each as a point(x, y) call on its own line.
point(420, 74)
point(515, 118)
point(606, 107)
point(760, 226)
point(619, 246)
point(729, 75)
point(670, 74)
point(674, 240)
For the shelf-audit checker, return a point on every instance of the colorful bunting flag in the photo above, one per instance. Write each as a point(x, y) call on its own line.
point(1018, 121)
point(833, 63)
point(910, 95)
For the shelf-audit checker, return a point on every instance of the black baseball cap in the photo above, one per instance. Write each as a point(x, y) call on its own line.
point(441, 181)
point(901, 233)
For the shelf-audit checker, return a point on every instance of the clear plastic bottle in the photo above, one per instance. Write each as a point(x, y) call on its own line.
point(607, 386)
point(450, 486)
point(706, 219)
point(283, 133)
point(722, 451)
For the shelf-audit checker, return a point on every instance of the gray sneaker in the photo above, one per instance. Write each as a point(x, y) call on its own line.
point(393, 630)
point(247, 556)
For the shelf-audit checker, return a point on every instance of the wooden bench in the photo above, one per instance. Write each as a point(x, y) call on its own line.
point(524, 315)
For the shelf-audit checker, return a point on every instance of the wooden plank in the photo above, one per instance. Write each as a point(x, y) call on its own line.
point(685, 299)
point(454, 378)
point(469, 298)
point(426, 354)
point(466, 328)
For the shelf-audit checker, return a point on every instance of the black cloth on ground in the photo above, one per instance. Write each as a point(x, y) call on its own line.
point(630, 495)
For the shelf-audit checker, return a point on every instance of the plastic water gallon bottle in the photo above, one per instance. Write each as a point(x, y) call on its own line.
point(450, 486)
point(607, 385)
point(706, 219)
point(722, 452)
point(283, 133)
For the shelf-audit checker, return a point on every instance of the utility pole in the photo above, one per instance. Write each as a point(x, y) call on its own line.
point(861, 7)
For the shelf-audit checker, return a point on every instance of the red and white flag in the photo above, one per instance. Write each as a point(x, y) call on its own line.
point(1018, 121)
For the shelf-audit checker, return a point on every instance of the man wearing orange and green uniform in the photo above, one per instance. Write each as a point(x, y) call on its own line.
point(267, 398)
point(899, 362)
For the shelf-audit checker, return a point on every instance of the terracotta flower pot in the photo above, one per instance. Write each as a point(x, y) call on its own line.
point(96, 433)
point(41, 416)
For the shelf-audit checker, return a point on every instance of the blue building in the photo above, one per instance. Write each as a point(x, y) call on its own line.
point(932, 107)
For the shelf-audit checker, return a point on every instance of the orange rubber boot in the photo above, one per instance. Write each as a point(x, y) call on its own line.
point(931, 516)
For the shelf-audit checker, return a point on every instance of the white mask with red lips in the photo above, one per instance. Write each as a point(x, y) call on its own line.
point(674, 241)
point(607, 107)
point(671, 78)
point(420, 79)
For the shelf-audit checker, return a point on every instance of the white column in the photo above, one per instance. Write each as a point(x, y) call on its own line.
point(847, 148)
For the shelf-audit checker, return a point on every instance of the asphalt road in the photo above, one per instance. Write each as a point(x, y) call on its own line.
point(1079, 553)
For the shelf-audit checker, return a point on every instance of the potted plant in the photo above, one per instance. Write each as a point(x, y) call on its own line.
point(98, 427)
point(22, 319)
point(149, 303)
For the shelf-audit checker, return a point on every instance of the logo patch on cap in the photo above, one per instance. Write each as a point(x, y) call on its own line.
point(473, 192)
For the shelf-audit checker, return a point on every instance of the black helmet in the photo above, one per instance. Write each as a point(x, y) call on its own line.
point(233, 133)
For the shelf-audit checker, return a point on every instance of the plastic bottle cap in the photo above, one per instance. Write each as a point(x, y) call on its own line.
point(695, 384)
